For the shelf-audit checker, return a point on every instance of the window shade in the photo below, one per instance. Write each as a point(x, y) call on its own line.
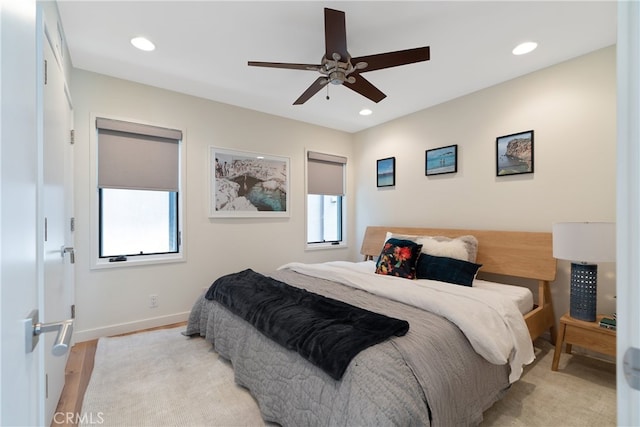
point(135, 156)
point(137, 128)
point(325, 174)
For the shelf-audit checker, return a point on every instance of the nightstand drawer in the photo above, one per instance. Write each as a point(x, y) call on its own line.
point(588, 335)
point(602, 341)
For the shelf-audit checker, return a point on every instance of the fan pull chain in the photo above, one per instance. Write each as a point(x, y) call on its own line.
point(327, 92)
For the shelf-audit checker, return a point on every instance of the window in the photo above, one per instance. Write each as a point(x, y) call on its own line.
point(325, 199)
point(146, 225)
point(138, 192)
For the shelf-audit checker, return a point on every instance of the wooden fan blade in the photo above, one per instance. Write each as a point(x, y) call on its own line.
point(393, 59)
point(308, 67)
point(312, 90)
point(335, 34)
point(365, 88)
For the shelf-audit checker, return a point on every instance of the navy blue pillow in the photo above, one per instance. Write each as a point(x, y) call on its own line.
point(445, 269)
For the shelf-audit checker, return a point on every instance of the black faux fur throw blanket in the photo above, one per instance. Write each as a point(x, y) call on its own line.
point(327, 332)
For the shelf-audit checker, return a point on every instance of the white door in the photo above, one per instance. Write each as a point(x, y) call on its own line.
point(56, 203)
point(628, 212)
point(19, 371)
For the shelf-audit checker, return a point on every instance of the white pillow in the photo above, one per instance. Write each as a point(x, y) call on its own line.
point(391, 235)
point(464, 248)
point(451, 249)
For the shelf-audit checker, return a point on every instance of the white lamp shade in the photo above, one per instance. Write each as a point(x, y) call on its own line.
point(588, 242)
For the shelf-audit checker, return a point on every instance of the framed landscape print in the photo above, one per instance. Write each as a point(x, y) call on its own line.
point(514, 154)
point(441, 160)
point(386, 172)
point(244, 184)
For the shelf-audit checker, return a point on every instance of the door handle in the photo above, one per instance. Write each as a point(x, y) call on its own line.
point(72, 253)
point(631, 367)
point(33, 328)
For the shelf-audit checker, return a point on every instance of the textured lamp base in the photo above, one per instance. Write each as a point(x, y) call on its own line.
point(584, 291)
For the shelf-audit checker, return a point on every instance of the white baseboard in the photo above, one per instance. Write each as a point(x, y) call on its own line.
point(123, 328)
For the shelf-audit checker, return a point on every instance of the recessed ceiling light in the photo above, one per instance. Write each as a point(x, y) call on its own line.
point(365, 112)
point(143, 43)
point(525, 47)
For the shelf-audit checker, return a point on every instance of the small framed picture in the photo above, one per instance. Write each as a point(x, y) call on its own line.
point(386, 172)
point(441, 160)
point(514, 153)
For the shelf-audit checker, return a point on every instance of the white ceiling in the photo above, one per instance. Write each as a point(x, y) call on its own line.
point(203, 48)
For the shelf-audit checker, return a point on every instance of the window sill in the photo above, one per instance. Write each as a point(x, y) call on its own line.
point(138, 260)
point(324, 246)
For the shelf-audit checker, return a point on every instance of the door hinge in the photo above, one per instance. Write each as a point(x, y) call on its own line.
point(46, 386)
point(72, 136)
point(73, 311)
point(45, 228)
point(45, 71)
point(72, 224)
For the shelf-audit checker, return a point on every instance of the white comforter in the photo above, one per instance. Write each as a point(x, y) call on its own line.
point(493, 325)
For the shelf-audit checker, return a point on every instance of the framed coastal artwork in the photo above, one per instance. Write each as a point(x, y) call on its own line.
point(244, 184)
point(514, 153)
point(386, 172)
point(441, 160)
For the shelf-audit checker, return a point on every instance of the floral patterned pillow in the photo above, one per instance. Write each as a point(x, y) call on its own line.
point(398, 258)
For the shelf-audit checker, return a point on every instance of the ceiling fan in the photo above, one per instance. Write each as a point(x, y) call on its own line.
point(339, 68)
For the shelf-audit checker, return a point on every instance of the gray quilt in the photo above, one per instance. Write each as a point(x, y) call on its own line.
point(430, 376)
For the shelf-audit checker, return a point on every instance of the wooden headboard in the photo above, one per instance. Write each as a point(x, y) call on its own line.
point(522, 254)
point(510, 253)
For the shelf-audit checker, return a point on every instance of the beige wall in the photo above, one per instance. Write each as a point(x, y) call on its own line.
point(116, 300)
point(570, 106)
point(572, 109)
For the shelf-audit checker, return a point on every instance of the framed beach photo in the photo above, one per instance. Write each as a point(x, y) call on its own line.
point(244, 184)
point(441, 160)
point(386, 172)
point(514, 153)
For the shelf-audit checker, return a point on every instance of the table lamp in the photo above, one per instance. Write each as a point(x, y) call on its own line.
point(584, 244)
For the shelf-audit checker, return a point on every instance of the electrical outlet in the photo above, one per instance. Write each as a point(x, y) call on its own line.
point(153, 301)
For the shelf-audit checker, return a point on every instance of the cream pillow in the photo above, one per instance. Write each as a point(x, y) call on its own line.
point(450, 249)
point(391, 235)
point(464, 247)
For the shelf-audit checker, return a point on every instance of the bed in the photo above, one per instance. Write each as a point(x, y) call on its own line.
point(439, 373)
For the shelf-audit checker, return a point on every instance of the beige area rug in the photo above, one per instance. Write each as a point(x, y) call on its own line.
point(581, 393)
point(162, 378)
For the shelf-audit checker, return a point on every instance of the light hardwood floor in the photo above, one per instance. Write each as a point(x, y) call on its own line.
point(77, 375)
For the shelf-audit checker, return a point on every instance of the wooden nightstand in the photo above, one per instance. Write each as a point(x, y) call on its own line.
point(583, 334)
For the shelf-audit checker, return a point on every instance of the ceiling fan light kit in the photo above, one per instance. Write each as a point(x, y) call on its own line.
point(339, 68)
